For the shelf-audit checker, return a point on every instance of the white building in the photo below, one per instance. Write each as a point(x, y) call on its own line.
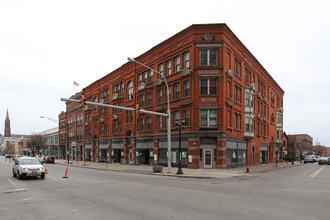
point(50, 138)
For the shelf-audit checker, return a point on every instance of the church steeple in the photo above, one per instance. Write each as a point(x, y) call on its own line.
point(7, 126)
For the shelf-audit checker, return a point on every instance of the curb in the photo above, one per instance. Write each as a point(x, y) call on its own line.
point(260, 170)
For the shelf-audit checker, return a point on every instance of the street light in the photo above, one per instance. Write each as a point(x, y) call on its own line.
point(180, 153)
point(53, 120)
point(168, 113)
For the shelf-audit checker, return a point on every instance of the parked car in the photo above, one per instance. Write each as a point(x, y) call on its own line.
point(324, 160)
point(49, 159)
point(28, 167)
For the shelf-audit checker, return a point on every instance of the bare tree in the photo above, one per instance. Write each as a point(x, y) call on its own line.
point(36, 143)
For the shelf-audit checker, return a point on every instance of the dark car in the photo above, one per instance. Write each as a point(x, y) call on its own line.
point(323, 160)
point(49, 159)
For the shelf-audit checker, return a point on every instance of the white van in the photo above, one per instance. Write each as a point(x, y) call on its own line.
point(309, 159)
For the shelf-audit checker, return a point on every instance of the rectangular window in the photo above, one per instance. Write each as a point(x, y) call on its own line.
point(140, 78)
point(237, 121)
point(186, 88)
point(115, 128)
point(208, 87)
point(160, 122)
point(161, 69)
point(177, 64)
point(160, 95)
point(177, 91)
point(105, 130)
point(247, 124)
point(247, 99)
point(237, 94)
point(247, 76)
point(122, 88)
point(208, 57)
point(149, 99)
point(102, 130)
point(208, 117)
point(142, 100)
point(141, 124)
point(186, 117)
point(237, 68)
point(176, 118)
point(149, 123)
point(151, 76)
point(145, 77)
point(120, 127)
point(169, 67)
point(186, 60)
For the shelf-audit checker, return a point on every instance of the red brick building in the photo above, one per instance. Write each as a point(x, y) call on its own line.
point(231, 106)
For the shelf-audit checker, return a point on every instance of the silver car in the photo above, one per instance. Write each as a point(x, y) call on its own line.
point(28, 167)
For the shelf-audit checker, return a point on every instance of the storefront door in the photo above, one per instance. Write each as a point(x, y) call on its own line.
point(208, 158)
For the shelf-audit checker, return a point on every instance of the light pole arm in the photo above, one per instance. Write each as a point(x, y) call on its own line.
point(53, 120)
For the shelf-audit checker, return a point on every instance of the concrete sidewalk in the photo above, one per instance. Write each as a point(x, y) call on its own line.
point(187, 173)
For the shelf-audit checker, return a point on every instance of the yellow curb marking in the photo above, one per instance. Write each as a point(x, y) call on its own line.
point(317, 172)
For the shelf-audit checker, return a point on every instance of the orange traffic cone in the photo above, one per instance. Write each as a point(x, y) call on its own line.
point(46, 169)
point(66, 171)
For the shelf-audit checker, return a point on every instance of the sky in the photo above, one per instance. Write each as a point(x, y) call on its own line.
point(46, 45)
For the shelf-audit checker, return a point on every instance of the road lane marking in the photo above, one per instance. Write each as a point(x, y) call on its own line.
point(11, 182)
point(27, 199)
point(317, 172)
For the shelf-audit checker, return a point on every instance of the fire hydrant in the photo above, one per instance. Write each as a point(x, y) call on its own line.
point(247, 169)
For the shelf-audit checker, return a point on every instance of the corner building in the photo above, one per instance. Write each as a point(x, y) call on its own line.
point(230, 106)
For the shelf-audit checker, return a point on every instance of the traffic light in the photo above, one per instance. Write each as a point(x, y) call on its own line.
point(137, 109)
point(83, 100)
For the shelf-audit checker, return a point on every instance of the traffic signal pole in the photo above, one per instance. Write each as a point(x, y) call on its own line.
point(114, 106)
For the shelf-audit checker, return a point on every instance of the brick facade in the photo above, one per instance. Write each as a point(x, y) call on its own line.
point(233, 108)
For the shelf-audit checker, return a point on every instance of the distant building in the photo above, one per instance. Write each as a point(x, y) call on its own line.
point(16, 144)
point(299, 145)
point(7, 126)
point(1, 143)
point(50, 138)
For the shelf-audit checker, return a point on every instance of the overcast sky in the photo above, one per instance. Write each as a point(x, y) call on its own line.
point(46, 45)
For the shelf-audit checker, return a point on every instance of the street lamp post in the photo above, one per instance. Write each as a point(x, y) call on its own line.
point(168, 113)
point(180, 153)
point(292, 152)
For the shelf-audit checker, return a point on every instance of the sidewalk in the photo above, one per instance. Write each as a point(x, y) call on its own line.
point(187, 173)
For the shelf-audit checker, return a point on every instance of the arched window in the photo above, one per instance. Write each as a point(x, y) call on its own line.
point(129, 90)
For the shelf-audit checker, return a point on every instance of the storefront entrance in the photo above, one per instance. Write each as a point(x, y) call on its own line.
point(207, 158)
point(116, 155)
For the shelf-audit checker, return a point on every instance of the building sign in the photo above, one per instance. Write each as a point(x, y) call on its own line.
point(184, 154)
point(151, 154)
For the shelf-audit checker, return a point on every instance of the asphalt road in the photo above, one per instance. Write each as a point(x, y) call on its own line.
point(288, 193)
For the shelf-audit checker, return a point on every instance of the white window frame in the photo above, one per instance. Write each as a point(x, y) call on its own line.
point(208, 117)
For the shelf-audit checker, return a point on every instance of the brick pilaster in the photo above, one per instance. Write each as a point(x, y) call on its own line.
point(193, 152)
